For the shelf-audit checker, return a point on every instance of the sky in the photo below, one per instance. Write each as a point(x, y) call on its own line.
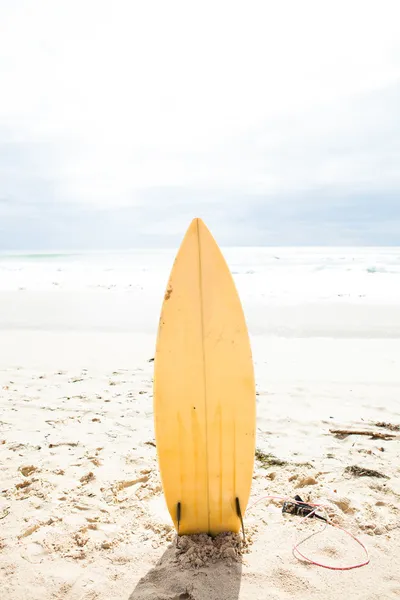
point(278, 123)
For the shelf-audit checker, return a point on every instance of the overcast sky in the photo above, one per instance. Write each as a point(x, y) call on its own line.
point(278, 122)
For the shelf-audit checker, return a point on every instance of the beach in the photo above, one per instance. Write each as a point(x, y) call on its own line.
point(82, 515)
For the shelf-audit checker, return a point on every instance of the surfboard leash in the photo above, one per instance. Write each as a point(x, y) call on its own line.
point(309, 511)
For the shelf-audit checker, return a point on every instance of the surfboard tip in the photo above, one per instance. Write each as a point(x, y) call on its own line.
point(197, 222)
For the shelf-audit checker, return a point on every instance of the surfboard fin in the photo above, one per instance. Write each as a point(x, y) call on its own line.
point(239, 514)
point(178, 515)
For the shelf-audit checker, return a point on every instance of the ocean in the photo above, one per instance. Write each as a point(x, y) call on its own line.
point(124, 290)
point(277, 275)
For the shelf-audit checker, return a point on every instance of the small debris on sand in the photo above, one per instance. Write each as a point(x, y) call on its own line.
point(269, 460)
point(86, 478)
point(28, 470)
point(121, 485)
point(362, 472)
point(374, 435)
point(24, 484)
point(72, 444)
point(305, 481)
point(388, 426)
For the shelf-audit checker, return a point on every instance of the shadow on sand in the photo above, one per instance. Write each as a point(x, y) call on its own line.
point(169, 580)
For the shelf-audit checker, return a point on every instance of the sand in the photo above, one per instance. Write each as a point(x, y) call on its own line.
point(82, 516)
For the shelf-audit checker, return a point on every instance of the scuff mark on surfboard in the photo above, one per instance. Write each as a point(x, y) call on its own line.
point(168, 293)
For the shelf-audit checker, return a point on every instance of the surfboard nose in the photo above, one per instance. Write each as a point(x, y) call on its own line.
point(199, 225)
point(197, 222)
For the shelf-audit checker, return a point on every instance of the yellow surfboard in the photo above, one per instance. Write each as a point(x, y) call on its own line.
point(204, 392)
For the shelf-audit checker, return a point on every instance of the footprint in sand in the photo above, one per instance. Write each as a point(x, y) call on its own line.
point(291, 583)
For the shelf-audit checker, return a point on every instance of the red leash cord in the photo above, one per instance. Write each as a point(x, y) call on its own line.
point(295, 548)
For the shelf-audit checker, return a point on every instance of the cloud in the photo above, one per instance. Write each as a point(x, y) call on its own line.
point(274, 121)
point(319, 217)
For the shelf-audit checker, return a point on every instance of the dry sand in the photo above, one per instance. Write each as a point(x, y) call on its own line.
point(82, 515)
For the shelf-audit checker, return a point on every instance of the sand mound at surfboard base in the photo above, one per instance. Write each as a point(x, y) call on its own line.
point(200, 550)
point(197, 567)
